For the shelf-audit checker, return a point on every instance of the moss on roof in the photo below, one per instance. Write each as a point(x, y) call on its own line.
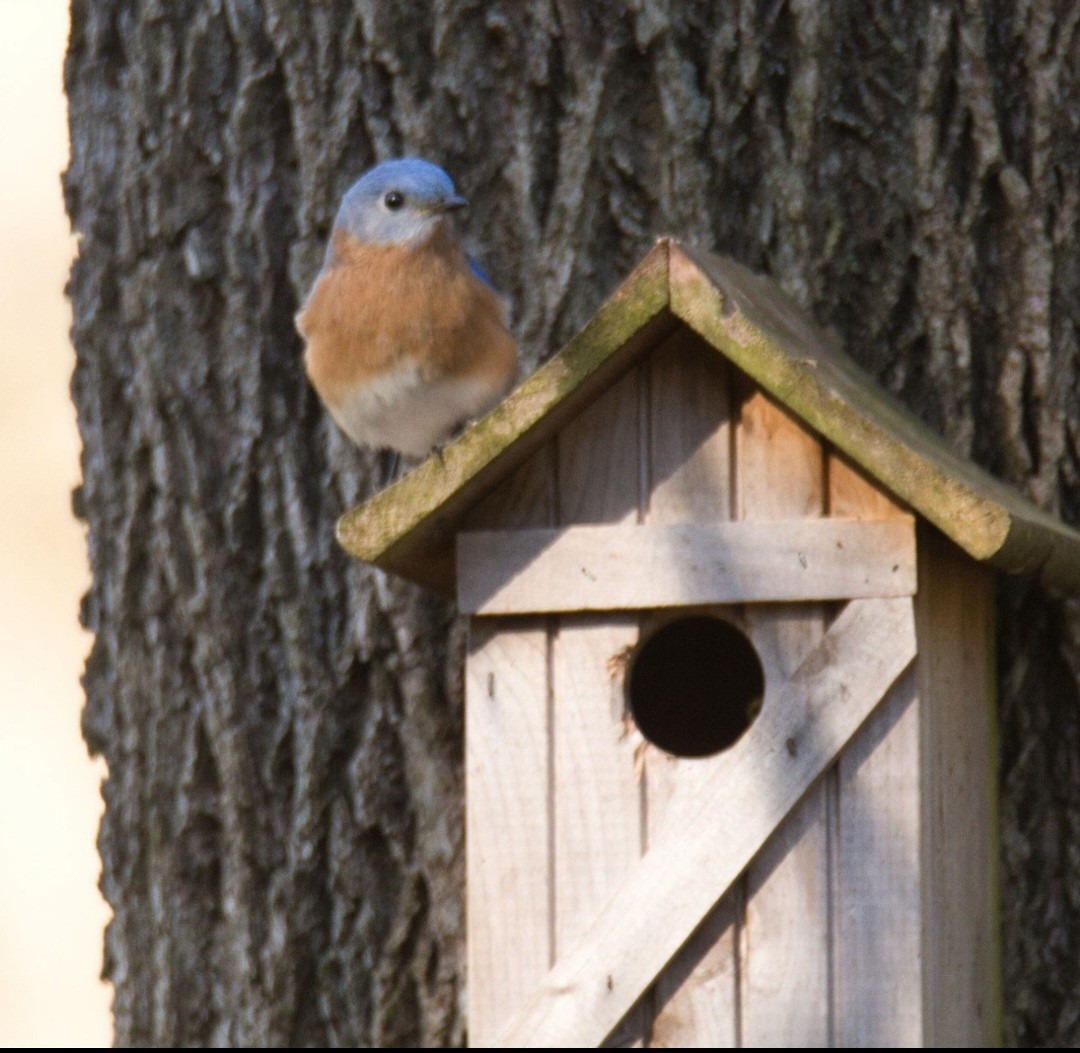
point(408, 528)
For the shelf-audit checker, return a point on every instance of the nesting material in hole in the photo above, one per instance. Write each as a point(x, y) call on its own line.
point(694, 686)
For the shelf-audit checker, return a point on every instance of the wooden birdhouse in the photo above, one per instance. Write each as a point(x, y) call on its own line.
point(730, 688)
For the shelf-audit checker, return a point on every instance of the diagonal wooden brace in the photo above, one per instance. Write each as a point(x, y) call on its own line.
point(716, 832)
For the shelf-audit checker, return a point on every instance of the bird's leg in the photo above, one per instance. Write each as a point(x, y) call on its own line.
point(439, 448)
point(391, 462)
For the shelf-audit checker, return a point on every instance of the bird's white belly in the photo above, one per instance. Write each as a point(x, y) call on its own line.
point(400, 411)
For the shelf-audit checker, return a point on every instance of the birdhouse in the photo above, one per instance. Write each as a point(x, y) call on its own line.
point(730, 727)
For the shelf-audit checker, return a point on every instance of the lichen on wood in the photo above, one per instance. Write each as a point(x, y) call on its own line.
point(408, 528)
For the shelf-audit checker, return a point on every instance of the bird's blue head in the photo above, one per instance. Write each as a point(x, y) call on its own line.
point(398, 202)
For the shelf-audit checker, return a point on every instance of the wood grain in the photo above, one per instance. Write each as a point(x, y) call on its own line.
point(597, 796)
point(508, 840)
point(638, 567)
point(955, 623)
point(712, 835)
point(877, 954)
point(509, 923)
point(784, 950)
point(689, 477)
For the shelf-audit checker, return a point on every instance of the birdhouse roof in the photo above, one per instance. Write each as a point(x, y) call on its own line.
point(409, 527)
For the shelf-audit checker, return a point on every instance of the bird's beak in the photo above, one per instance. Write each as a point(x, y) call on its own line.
point(452, 204)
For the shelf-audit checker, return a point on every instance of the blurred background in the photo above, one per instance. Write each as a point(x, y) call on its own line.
point(51, 914)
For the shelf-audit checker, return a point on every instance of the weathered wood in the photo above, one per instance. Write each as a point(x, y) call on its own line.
point(597, 801)
point(876, 907)
point(853, 496)
point(696, 995)
point(689, 481)
point(954, 622)
point(508, 838)
point(749, 320)
point(509, 922)
point(626, 568)
point(525, 498)
point(715, 833)
point(689, 433)
point(784, 950)
point(876, 952)
point(408, 527)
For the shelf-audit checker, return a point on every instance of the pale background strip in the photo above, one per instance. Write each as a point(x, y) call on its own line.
point(51, 915)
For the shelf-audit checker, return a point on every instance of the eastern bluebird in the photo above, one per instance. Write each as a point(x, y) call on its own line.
point(405, 338)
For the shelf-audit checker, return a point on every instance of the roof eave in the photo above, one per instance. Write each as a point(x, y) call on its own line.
point(748, 320)
point(408, 528)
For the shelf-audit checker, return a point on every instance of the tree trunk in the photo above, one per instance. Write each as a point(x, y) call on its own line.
point(282, 844)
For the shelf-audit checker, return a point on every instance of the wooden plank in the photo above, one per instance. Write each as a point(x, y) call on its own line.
point(713, 835)
point(784, 993)
point(696, 995)
point(597, 796)
point(508, 838)
point(749, 319)
point(853, 496)
point(689, 481)
point(598, 464)
point(877, 972)
point(409, 527)
point(689, 434)
point(525, 498)
point(589, 568)
point(955, 620)
point(877, 998)
point(507, 782)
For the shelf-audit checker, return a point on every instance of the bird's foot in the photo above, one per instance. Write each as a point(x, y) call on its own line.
point(439, 448)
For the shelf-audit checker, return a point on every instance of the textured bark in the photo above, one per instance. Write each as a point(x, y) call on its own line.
point(282, 840)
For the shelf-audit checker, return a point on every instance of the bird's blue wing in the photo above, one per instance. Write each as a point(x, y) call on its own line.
point(478, 271)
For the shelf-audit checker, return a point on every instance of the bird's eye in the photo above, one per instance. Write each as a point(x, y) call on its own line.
point(394, 200)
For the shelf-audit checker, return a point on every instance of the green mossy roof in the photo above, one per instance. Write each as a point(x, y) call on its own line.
point(408, 528)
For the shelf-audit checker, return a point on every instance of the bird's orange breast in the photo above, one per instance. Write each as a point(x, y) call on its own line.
point(376, 309)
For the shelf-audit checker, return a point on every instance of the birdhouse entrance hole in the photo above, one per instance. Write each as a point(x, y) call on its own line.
point(694, 686)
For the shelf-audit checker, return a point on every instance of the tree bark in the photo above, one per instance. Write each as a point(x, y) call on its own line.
point(282, 839)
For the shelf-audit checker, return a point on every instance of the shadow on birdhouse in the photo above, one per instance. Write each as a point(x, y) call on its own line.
point(729, 690)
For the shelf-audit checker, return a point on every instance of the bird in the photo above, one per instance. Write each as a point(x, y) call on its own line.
point(405, 339)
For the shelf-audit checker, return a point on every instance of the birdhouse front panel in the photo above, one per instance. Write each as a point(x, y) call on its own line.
point(730, 748)
point(685, 542)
